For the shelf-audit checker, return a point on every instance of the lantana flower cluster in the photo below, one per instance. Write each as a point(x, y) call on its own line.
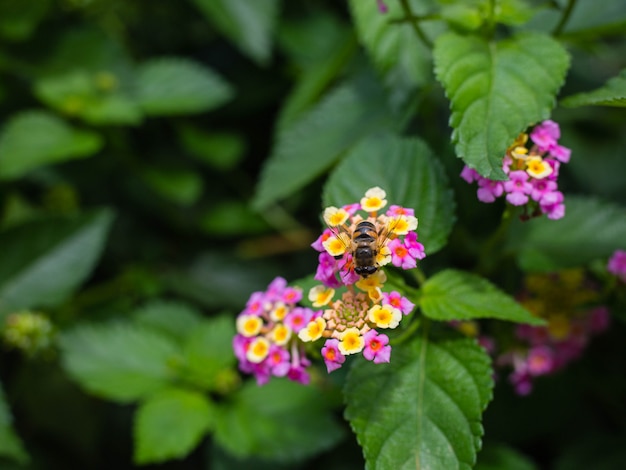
point(617, 265)
point(396, 229)
point(568, 303)
point(532, 164)
point(350, 321)
point(266, 343)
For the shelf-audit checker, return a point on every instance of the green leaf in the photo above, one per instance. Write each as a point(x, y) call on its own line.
point(95, 97)
point(496, 90)
point(457, 295)
point(181, 186)
point(322, 46)
point(232, 218)
point(10, 444)
point(611, 94)
point(220, 150)
point(44, 261)
point(175, 319)
point(170, 424)
point(18, 19)
point(208, 351)
point(410, 174)
point(310, 145)
point(248, 24)
point(591, 229)
point(33, 139)
point(171, 86)
point(282, 421)
point(119, 361)
point(423, 410)
point(393, 46)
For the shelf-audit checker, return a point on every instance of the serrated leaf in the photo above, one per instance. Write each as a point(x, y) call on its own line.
point(36, 138)
point(175, 319)
point(282, 421)
point(44, 261)
point(170, 424)
point(423, 410)
point(457, 295)
point(410, 174)
point(611, 94)
point(496, 90)
point(248, 24)
point(591, 229)
point(208, 351)
point(171, 86)
point(119, 361)
point(310, 145)
point(10, 444)
point(393, 46)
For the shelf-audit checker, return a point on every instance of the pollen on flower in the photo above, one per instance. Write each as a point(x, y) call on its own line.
point(351, 342)
point(249, 325)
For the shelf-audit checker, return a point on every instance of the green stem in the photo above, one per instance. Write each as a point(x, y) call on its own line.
point(490, 252)
point(406, 334)
point(564, 18)
point(491, 19)
point(413, 19)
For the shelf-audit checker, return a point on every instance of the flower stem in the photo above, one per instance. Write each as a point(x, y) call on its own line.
point(414, 20)
point(564, 18)
point(490, 251)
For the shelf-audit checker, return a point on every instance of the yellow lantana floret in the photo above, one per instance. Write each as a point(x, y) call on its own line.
point(313, 331)
point(384, 316)
point(336, 246)
point(279, 312)
point(403, 224)
point(281, 334)
point(334, 217)
point(351, 342)
point(258, 350)
point(374, 200)
point(320, 295)
point(537, 168)
point(373, 281)
point(249, 325)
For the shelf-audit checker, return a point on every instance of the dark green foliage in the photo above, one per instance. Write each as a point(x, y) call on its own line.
point(162, 161)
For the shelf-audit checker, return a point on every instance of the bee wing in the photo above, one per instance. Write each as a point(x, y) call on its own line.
point(386, 233)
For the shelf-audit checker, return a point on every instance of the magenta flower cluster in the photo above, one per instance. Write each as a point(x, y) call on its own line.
point(540, 352)
point(532, 165)
point(266, 341)
point(617, 265)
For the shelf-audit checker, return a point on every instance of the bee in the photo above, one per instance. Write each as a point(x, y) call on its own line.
point(365, 244)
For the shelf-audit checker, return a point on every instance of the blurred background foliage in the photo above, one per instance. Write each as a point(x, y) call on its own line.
point(138, 214)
